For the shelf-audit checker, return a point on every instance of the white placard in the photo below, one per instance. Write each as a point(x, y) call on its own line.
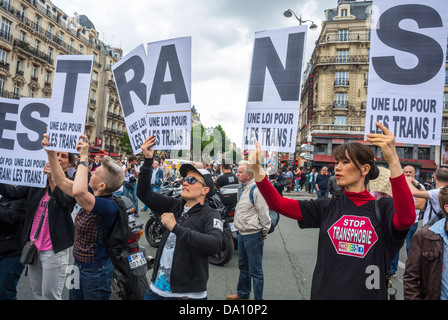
point(272, 110)
point(69, 102)
point(407, 69)
point(155, 93)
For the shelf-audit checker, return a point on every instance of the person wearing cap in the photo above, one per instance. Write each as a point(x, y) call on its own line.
point(193, 232)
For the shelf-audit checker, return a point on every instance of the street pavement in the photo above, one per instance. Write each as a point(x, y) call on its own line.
point(289, 258)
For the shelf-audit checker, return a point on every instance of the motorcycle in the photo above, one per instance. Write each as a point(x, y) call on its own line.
point(224, 200)
point(129, 280)
point(154, 227)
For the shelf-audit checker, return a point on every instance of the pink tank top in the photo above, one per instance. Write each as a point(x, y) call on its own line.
point(43, 241)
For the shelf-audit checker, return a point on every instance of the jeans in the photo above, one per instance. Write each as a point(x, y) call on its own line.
point(322, 193)
point(10, 271)
point(48, 274)
point(409, 236)
point(297, 185)
point(133, 191)
point(95, 283)
point(250, 258)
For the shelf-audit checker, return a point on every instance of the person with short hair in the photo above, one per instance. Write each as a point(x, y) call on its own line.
point(425, 276)
point(98, 210)
point(193, 232)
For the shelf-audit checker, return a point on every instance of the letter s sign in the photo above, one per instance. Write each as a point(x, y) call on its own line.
point(427, 50)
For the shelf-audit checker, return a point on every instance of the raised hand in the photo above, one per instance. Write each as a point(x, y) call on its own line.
point(146, 147)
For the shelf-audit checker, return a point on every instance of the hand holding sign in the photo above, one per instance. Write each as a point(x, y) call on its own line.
point(255, 157)
point(83, 147)
point(146, 147)
point(386, 142)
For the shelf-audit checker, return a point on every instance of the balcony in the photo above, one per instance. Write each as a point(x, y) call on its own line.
point(344, 38)
point(341, 83)
point(340, 105)
point(337, 128)
point(25, 46)
point(353, 59)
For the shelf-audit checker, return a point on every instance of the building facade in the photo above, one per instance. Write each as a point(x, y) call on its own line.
point(33, 33)
point(333, 101)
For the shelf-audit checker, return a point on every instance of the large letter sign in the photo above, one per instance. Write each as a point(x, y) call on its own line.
point(272, 109)
point(155, 93)
point(407, 69)
point(69, 102)
point(23, 123)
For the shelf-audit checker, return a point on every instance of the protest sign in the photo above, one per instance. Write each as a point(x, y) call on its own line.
point(69, 102)
point(155, 93)
point(22, 125)
point(272, 109)
point(407, 69)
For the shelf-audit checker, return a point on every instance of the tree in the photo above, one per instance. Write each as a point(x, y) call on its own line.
point(125, 143)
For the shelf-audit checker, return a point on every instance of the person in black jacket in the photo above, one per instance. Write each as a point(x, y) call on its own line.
point(193, 232)
point(12, 216)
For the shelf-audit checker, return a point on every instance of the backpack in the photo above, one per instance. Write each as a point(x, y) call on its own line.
point(275, 216)
point(117, 238)
point(433, 219)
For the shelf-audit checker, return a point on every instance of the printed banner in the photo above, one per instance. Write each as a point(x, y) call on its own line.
point(155, 93)
point(69, 102)
point(407, 69)
point(272, 110)
point(22, 125)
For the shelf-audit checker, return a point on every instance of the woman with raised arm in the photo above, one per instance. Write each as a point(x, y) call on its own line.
point(355, 245)
point(98, 210)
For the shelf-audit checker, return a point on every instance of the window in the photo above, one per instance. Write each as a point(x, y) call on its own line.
point(340, 122)
point(3, 55)
point(2, 84)
point(344, 12)
point(61, 38)
point(81, 49)
point(22, 13)
point(37, 45)
point(424, 153)
point(342, 56)
point(343, 35)
point(16, 93)
point(49, 31)
point(6, 29)
point(20, 66)
point(341, 78)
point(445, 101)
point(37, 23)
point(22, 36)
point(70, 46)
point(340, 100)
point(50, 52)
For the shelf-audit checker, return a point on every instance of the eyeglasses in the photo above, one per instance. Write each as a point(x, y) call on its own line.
point(193, 180)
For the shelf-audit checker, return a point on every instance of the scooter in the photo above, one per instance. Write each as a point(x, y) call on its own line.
point(224, 200)
point(130, 281)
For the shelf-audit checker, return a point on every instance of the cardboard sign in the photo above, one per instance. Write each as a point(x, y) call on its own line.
point(69, 102)
point(272, 110)
point(407, 69)
point(155, 93)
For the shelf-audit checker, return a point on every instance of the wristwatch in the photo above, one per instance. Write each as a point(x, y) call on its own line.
point(86, 163)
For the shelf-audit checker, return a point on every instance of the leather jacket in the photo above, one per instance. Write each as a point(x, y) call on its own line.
point(423, 275)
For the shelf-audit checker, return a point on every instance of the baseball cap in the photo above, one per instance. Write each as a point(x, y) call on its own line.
point(186, 167)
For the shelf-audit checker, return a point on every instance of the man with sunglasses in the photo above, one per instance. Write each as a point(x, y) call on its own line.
point(193, 232)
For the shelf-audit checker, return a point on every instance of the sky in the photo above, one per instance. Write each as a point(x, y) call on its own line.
point(222, 33)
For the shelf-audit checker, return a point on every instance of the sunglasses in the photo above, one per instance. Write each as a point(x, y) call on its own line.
point(193, 180)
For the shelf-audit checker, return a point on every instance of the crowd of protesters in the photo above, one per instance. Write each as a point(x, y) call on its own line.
point(390, 200)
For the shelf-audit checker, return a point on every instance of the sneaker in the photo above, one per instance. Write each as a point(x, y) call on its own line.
point(235, 296)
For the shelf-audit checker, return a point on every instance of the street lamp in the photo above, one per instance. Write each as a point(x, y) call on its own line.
point(289, 13)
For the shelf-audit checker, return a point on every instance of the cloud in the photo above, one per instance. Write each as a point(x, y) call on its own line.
point(222, 34)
